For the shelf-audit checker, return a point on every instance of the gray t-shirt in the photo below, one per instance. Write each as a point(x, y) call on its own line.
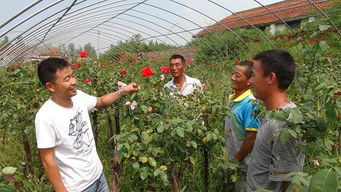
point(271, 160)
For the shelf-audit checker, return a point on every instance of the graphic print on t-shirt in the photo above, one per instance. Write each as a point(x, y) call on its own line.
point(79, 129)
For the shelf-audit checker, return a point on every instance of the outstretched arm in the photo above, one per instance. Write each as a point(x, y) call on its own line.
point(110, 98)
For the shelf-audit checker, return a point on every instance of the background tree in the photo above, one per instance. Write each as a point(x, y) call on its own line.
point(91, 50)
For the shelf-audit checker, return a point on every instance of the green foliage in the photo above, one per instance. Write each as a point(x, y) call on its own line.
point(91, 50)
point(226, 45)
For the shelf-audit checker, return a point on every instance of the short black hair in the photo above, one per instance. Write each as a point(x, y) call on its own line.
point(248, 65)
point(279, 62)
point(177, 56)
point(47, 69)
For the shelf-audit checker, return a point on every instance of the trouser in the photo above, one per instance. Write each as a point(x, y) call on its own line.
point(100, 185)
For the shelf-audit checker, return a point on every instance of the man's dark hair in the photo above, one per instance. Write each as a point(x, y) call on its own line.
point(248, 65)
point(47, 69)
point(279, 62)
point(176, 56)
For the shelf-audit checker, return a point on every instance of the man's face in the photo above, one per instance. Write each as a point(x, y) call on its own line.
point(64, 84)
point(177, 67)
point(259, 82)
point(239, 79)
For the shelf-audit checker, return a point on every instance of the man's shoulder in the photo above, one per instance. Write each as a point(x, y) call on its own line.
point(248, 102)
point(169, 83)
point(45, 109)
point(192, 80)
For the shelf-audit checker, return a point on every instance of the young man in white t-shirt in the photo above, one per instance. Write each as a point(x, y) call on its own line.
point(181, 83)
point(63, 130)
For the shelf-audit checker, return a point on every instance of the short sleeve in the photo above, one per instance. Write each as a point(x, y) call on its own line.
point(45, 133)
point(285, 158)
point(89, 100)
point(198, 85)
point(251, 122)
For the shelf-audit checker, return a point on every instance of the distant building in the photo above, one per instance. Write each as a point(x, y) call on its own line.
point(46, 53)
point(294, 12)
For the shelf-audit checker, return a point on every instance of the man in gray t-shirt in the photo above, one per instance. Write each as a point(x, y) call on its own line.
point(271, 160)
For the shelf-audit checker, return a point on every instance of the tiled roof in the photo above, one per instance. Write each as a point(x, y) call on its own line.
point(286, 10)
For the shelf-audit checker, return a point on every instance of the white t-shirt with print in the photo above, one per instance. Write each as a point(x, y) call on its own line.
point(69, 131)
point(187, 88)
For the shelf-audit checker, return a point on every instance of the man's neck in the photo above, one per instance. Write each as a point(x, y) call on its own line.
point(238, 93)
point(276, 100)
point(179, 81)
point(62, 101)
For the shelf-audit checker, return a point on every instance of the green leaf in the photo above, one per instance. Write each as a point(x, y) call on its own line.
point(324, 180)
point(144, 108)
point(9, 170)
point(119, 147)
point(151, 161)
point(292, 133)
point(338, 101)
point(164, 178)
point(180, 132)
point(331, 114)
point(194, 144)
point(144, 173)
point(132, 138)
point(280, 115)
point(136, 165)
point(6, 189)
point(324, 45)
point(157, 172)
point(321, 124)
point(284, 136)
point(189, 126)
point(160, 128)
point(324, 27)
point(263, 190)
point(163, 168)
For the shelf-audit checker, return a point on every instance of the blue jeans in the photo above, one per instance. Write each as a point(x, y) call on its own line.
point(100, 185)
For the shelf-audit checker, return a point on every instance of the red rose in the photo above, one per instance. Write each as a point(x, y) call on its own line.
point(87, 80)
point(147, 72)
point(83, 54)
point(165, 69)
point(153, 57)
point(237, 60)
point(123, 72)
point(251, 60)
point(133, 60)
point(189, 61)
point(329, 57)
point(78, 64)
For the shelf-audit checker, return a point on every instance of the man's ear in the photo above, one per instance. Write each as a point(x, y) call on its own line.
point(50, 87)
point(272, 78)
point(248, 82)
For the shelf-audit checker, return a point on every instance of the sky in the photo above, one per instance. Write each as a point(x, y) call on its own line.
point(73, 27)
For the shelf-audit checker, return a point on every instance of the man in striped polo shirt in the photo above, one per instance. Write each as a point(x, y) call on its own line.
point(241, 127)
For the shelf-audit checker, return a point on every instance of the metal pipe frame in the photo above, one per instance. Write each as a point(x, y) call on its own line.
point(256, 28)
point(31, 38)
point(252, 50)
point(42, 21)
point(325, 15)
point(21, 12)
point(30, 17)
